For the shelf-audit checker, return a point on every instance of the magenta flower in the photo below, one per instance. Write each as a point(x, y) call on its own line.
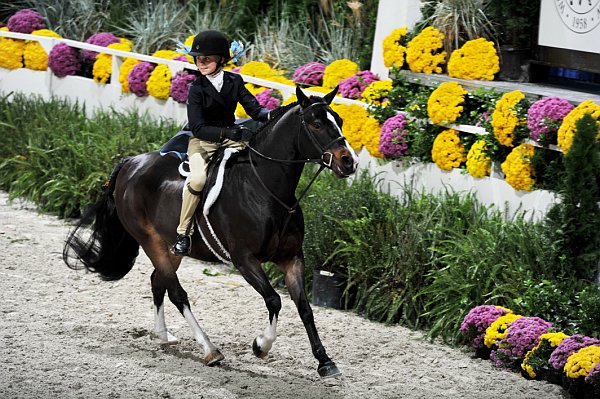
point(567, 347)
point(267, 100)
point(393, 139)
point(235, 70)
point(477, 321)
point(99, 39)
point(594, 376)
point(522, 336)
point(354, 86)
point(25, 21)
point(180, 85)
point(545, 116)
point(138, 76)
point(309, 74)
point(64, 60)
point(181, 58)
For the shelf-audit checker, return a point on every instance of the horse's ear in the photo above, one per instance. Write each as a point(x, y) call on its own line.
point(302, 98)
point(331, 95)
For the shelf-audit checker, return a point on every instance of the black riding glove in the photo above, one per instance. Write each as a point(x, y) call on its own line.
point(233, 133)
point(237, 133)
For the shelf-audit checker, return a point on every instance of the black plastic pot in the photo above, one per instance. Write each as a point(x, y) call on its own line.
point(328, 289)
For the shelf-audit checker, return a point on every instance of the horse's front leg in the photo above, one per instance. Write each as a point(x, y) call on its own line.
point(250, 268)
point(294, 279)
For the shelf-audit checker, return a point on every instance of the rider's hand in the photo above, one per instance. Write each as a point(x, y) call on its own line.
point(233, 133)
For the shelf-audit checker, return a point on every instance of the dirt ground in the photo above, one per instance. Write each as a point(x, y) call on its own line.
point(67, 334)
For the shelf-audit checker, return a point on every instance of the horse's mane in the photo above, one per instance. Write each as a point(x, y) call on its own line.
point(276, 114)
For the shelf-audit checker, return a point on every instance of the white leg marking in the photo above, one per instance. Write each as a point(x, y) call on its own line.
point(354, 156)
point(160, 327)
point(200, 336)
point(265, 341)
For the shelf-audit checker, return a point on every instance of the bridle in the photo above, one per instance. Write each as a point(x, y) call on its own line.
point(322, 161)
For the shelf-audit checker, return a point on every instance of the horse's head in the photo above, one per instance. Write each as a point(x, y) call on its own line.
point(322, 129)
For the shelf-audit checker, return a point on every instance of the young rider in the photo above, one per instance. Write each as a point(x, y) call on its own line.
point(211, 104)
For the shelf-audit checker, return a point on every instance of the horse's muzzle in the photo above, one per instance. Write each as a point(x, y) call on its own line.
point(344, 163)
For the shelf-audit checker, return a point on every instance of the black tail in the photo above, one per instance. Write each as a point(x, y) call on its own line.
point(106, 248)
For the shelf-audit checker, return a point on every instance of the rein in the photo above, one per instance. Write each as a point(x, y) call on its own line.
point(320, 161)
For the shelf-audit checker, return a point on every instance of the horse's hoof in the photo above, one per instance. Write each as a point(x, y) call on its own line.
point(214, 358)
point(167, 339)
point(258, 352)
point(328, 370)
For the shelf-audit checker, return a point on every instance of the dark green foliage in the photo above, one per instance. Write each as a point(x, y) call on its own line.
point(515, 21)
point(56, 157)
point(573, 224)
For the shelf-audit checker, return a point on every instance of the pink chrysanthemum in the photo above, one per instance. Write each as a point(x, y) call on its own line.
point(64, 60)
point(309, 74)
point(99, 39)
point(138, 77)
point(545, 116)
point(267, 100)
point(393, 140)
point(354, 86)
point(477, 321)
point(25, 21)
point(180, 85)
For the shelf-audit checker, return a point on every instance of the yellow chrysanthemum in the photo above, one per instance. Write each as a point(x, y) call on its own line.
point(258, 69)
point(497, 330)
point(393, 50)
point(166, 54)
point(126, 67)
point(103, 65)
point(517, 168)
point(550, 340)
point(479, 163)
point(354, 117)
point(444, 103)
point(377, 92)
point(11, 52)
point(448, 151)
point(476, 59)
point(370, 136)
point(505, 118)
point(338, 71)
point(159, 83)
point(568, 127)
point(581, 362)
point(423, 51)
point(34, 55)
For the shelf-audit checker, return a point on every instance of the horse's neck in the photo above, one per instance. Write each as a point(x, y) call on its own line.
point(280, 143)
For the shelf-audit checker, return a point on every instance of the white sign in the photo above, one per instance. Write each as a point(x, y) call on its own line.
point(570, 24)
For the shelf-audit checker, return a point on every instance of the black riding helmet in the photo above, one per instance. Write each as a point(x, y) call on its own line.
point(210, 42)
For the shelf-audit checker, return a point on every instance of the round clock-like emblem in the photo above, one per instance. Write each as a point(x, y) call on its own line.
point(580, 16)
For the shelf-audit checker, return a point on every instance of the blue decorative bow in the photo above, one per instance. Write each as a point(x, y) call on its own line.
point(182, 48)
point(237, 50)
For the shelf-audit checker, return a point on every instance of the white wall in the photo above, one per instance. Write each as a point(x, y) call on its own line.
point(391, 14)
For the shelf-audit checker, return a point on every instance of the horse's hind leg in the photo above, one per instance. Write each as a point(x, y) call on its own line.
point(164, 279)
point(294, 279)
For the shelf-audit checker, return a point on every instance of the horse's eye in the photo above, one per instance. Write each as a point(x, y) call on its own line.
point(316, 125)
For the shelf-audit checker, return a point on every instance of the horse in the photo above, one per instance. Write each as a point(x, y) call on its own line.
point(256, 218)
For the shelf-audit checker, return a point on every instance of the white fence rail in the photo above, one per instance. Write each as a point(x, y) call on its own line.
point(393, 175)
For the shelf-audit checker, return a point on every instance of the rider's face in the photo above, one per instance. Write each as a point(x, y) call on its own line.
point(207, 64)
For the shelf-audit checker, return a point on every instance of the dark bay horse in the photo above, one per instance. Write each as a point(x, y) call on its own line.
point(255, 219)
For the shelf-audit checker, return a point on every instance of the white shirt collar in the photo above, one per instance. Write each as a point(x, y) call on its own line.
point(216, 80)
